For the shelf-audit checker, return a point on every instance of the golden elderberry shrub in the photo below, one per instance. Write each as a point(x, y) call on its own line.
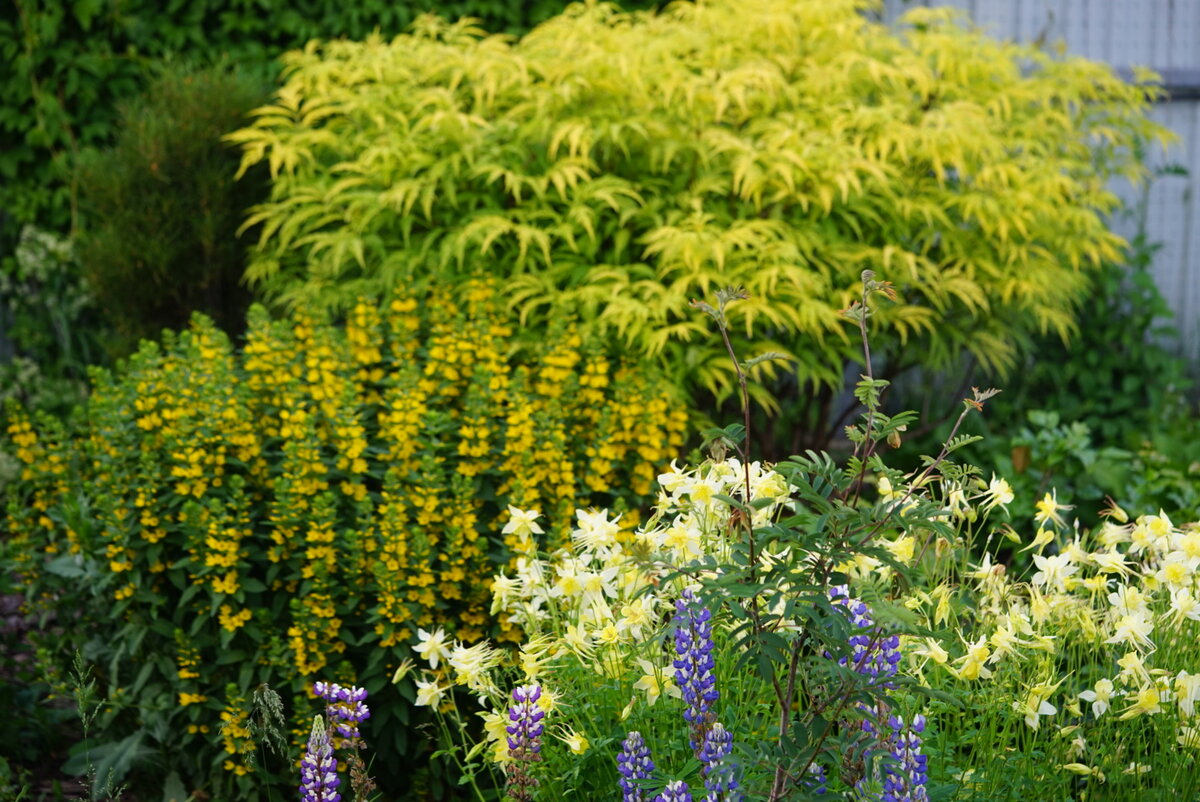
point(298, 508)
point(615, 166)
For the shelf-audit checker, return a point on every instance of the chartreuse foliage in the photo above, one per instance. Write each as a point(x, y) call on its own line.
point(617, 165)
point(298, 508)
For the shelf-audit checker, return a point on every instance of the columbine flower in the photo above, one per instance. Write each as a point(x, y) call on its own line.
point(999, 493)
point(633, 764)
point(522, 522)
point(1053, 571)
point(432, 647)
point(1035, 704)
point(429, 693)
point(1048, 510)
point(694, 664)
point(318, 769)
point(577, 742)
point(524, 740)
point(655, 683)
point(718, 774)
point(1099, 696)
point(905, 780)
point(676, 791)
point(1147, 702)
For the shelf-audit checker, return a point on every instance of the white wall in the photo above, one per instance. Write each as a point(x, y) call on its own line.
point(1165, 36)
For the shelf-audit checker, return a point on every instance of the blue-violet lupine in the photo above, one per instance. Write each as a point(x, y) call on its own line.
point(717, 770)
point(318, 769)
point(817, 783)
point(346, 709)
point(676, 791)
point(524, 741)
point(633, 764)
point(872, 654)
point(694, 663)
point(904, 780)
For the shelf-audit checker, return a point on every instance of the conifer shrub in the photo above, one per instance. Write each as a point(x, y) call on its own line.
point(617, 165)
point(161, 208)
point(299, 508)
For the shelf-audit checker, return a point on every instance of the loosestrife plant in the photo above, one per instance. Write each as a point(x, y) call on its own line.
point(716, 652)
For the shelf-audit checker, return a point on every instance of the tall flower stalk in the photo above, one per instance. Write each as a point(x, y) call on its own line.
point(524, 741)
point(318, 768)
point(694, 664)
point(634, 765)
point(346, 708)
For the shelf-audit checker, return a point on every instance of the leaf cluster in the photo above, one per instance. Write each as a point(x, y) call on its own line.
point(614, 166)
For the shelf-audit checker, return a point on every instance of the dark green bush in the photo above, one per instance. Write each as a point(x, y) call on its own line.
point(161, 208)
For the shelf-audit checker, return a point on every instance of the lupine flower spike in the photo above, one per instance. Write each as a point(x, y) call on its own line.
point(634, 764)
point(718, 774)
point(318, 769)
point(676, 791)
point(904, 781)
point(524, 741)
point(694, 664)
point(346, 709)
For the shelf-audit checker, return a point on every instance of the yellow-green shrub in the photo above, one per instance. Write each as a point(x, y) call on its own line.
point(264, 514)
point(617, 165)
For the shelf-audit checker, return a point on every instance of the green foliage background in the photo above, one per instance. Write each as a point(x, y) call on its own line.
point(70, 63)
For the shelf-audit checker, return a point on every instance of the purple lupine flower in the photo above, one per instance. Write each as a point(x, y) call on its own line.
point(633, 764)
point(318, 769)
point(905, 779)
point(717, 770)
point(694, 664)
point(346, 709)
point(676, 791)
point(816, 783)
point(525, 731)
point(524, 741)
point(872, 654)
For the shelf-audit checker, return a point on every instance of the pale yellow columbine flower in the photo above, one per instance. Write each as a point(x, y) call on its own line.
point(1184, 605)
point(1134, 629)
point(887, 494)
point(973, 664)
point(1043, 538)
point(1187, 692)
point(432, 646)
point(902, 548)
point(402, 670)
point(1036, 704)
point(1132, 668)
point(1110, 562)
point(999, 493)
point(1053, 571)
point(577, 639)
point(930, 649)
point(594, 531)
point(575, 741)
point(1189, 738)
point(1100, 695)
point(655, 683)
point(429, 693)
point(1147, 702)
point(1048, 510)
point(504, 590)
point(1084, 770)
point(522, 523)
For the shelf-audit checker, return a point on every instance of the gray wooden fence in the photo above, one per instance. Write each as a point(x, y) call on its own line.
point(1165, 36)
